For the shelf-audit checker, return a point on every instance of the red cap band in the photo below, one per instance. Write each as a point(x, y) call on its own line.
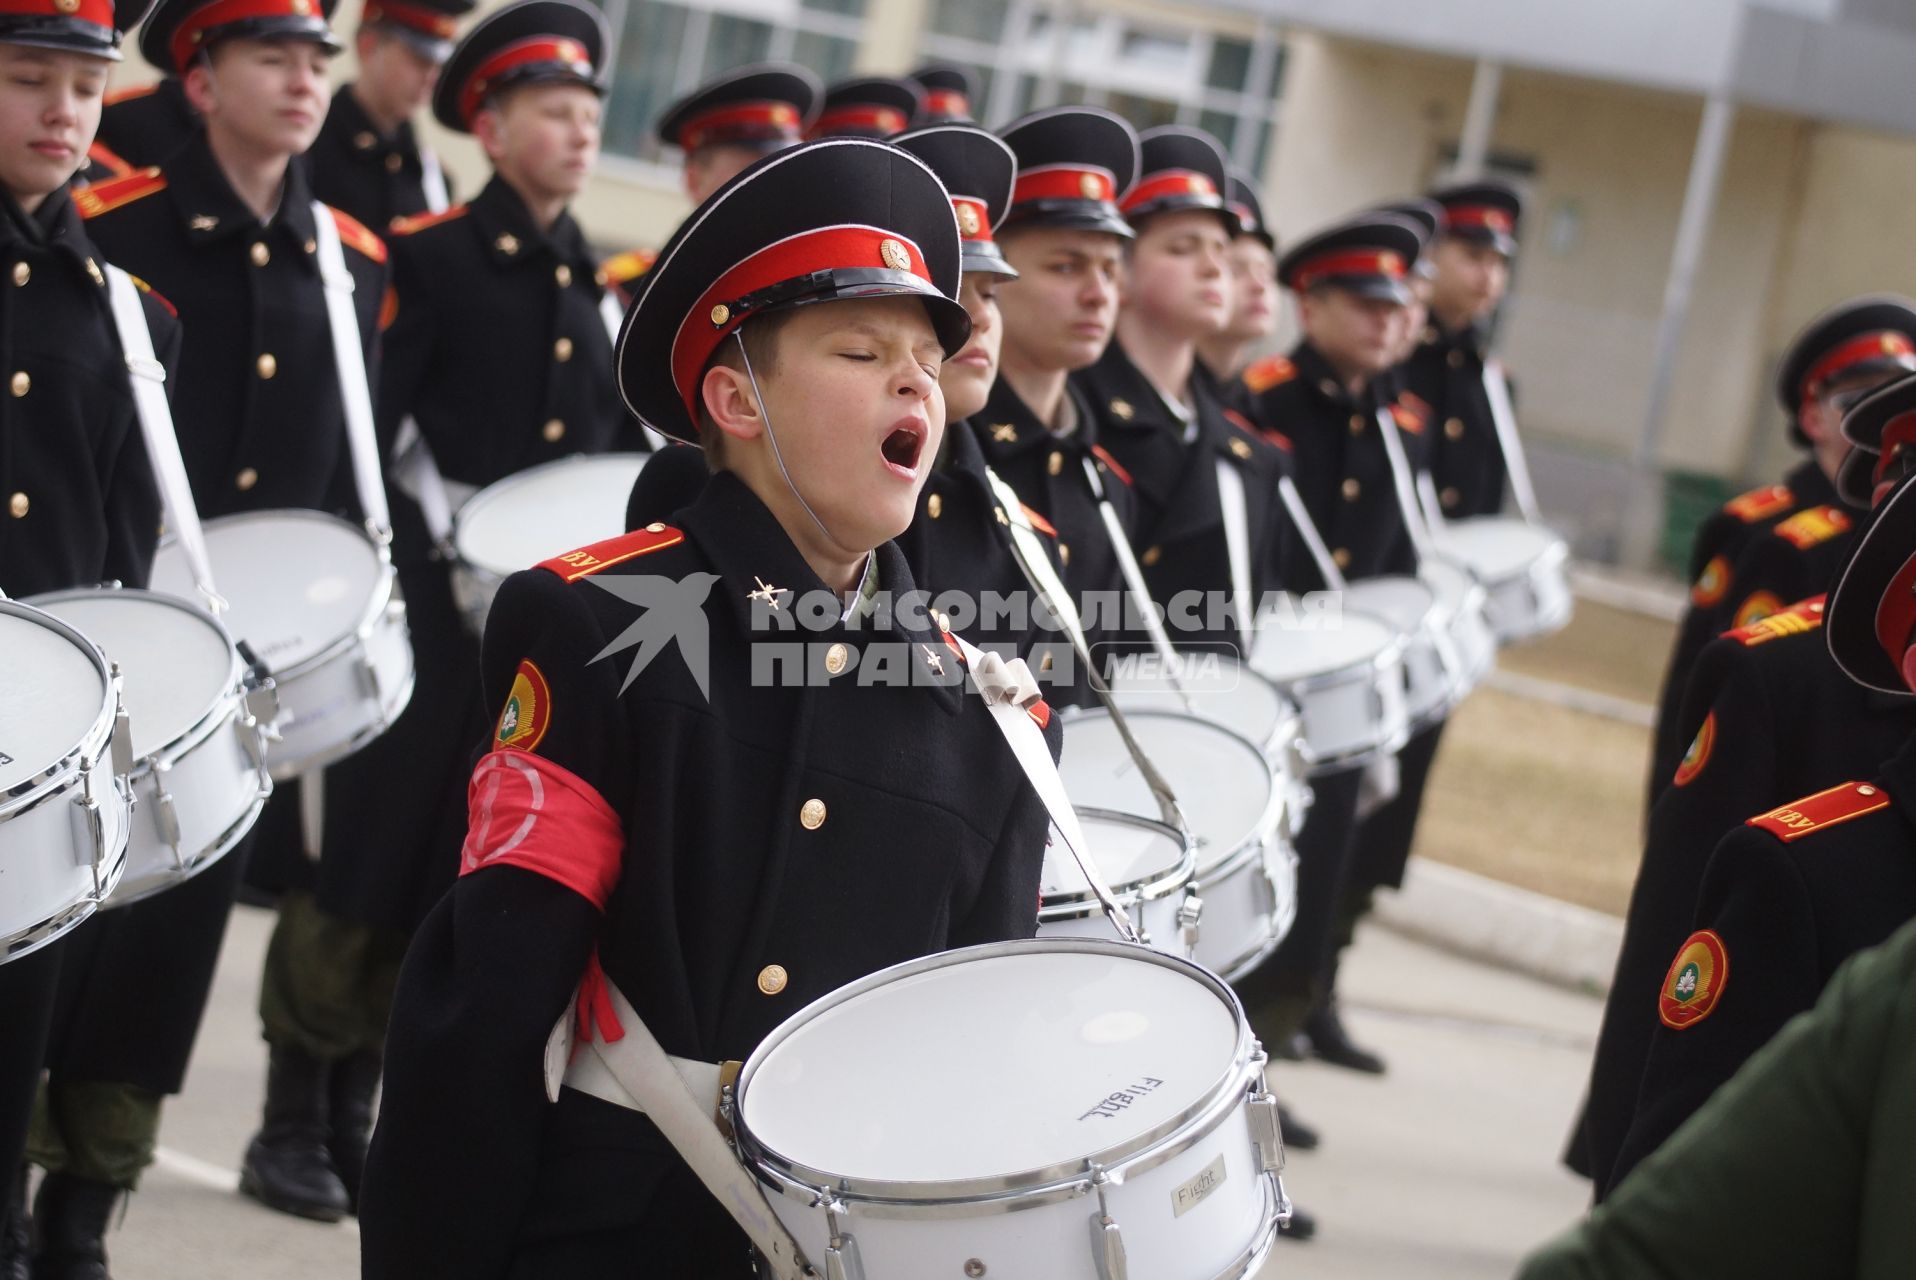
point(97, 12)
point(1487, 216)
point(1246, 218)
point(879, 119)
point(191, 32)
point(947, 102)
point(740, 120)
point(537, 49)
point(1874, 345)
point(414, 17)
point(1168, 182)
point(1064, 182)
point(974, 219)
point(1362, 262)
point(713, 318)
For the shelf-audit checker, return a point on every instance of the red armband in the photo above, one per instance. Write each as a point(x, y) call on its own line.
point(522, 810)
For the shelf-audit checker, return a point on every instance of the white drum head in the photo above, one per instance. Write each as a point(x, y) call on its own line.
point(1222, 782)
point(1229, 693)
point(1296, 653)
point(991, 1066)
point(1126, 853)
point(1405, 603)
point(50, 698)
point(174, 663)
point(546, 511)
point(1451, 582)
point(297, 581)
point(1496, 547)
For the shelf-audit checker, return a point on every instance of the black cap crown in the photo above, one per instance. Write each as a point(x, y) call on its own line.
point(1241, 198)
point(1178, 168)
point(950, 91)
point(89, 26)
point(765, 106)
point(977, 168)
point(526, 42)
point(1073, 164)
point(1868, 336)
point(1870, 618)
point(427, 25)
point(180, 30)
point(1484, 212)
point(868, 107)
point(1369, 255)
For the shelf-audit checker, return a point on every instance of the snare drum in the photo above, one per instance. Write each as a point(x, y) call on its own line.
point(314, 599)
point(1149, 869)
point(199, 773)
point(64, 815)
point(1246, 873)
point(1064, 1108)
point(1431, 669)
point(539, 513)
point(1524, 570)
point(1347, 676)
point(1461, 600)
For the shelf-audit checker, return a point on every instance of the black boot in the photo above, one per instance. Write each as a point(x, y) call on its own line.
point(286, 1166)
point(69, 1225)
point(352, 1082)
point(16, 1245)
point(1300, 1228)
point(1298, 1136)
point(1332, 1044)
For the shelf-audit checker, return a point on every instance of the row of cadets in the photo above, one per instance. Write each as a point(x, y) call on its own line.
point(496, 357)
point(712, 853)
point(226, 229)
point(1853, 347)
point(78, 504)
point(1770, 716)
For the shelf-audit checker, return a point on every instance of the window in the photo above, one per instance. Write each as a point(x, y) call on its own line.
point(663, 50)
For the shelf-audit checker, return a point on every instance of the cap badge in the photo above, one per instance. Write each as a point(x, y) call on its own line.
point(720, 314)
point(66, 6)
point(1197, 183)
point(302, 7)
point(782, 114)
point(1092, 188)
point(968, 221)
point(1390, 263)
point(895, 255)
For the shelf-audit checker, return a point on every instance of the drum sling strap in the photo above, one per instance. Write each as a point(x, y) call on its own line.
point(1307, 529)
point(432, 181)
point(349, 359)
point(1403, 483)
point(1504, 418)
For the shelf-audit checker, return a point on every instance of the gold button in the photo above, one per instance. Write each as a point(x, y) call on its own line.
point(834, 663)
point(246, 479)
point(259, 253)
point(811, 814)
point(772, 979)
point(553, 431)
point(267, 365)
point(1351, 490)
point(1241, 449)
point(935, 506)
point(17, 505)
point(720, 314)
point(364, 140)
point(1152, 555)
point(393, 162)
point(93, 270)
point(22, 383)
point(1357, 424)
point(1454, 429)
point(1455, 359)
point(562, 274)
point(1341, 557)
point(562, 350)
point(655, 527)
point(1064, 555)
point(1450, 497)
point(22, 273)
point(1866, 791)
point(311, 246)
point(1055, 463)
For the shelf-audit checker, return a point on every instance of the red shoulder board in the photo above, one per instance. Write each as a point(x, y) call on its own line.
point(107, 158)
point(1242, 423)
point(118, 96)
point(154, 294)
point(1268, 373)
point(1103, 455)
point(1038, 522)
point(623, 268)
point(1828, 808)
point(1407, 418)
point(354, 234)
point(104, 197)
point(1415, 403)
point(420, 221)
point(1761, 504)
point(1804, 615)
point(587, 561)
point(1818, 524)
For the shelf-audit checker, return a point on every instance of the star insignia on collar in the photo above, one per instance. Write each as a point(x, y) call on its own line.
point(933, 663)
point(507, 243)
point(202, 222)
point(1241, 450)
point(767, 593)
point(1122, 408)
point(1003, 433)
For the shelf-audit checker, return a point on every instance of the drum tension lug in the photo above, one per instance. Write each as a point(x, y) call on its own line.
point(1190, 912)
point(841, 1251)
point(166, 818)
point(1107, 1239)
point(122, 731)
point(1267, 1135)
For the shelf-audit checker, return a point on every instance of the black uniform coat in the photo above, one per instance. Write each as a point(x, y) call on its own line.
point(373, 176)
point(830, 830)
point(131, 1008)
point(145, 126)
point(1788, 910)
point(1461, 450)
point(1715, 594)
point(1784, 721)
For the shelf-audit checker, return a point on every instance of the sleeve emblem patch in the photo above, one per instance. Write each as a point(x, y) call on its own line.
point(1712, 584)
point(1759, 605)
point(1699, 753)
point(1695, 982)
point(527, 715)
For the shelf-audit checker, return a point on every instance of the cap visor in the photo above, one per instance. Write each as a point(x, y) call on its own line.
point(986, 261)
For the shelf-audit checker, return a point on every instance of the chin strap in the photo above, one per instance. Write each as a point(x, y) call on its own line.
point(765, 415)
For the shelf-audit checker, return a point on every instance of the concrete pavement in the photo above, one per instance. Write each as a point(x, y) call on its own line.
point(1443, 1170)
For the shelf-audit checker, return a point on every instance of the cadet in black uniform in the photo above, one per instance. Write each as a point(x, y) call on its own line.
point(1253, 259)
point(226, 230)
point(1852, 347)
point(1788, 897)
point(1470, 269)
point(867, 107)
point(950, 91)
point(1771, 716)
point(146, 124)
point(1066, 239)
point(368, 159)
point(497, 352)
point(728, 851)
point(77, 500)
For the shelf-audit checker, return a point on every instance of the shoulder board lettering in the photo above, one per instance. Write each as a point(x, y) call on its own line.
point(420, 221)
point(1760, 504)
point(154, 294)
point(1038, 522)
point(1828, 808)
point(1805, 615)
point(1267, 373)
point(104, 197)
point(1103, 455)
point(1695, 981)
point(1806, 529)
point(623, 268)
point(354, 234)
point(587, 561)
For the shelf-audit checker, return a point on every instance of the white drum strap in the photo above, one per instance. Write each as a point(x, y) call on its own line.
point(416, 472)
point(1404, 483)
point(355, 393)
point(148, 378)
point(1132, 574)
point(613, 315)
point(1307, 529)
point(999, 683)
point(1503, 416)
point(432, 180)
point(1427, 497)
point(1237, 547)
point(1037, 565)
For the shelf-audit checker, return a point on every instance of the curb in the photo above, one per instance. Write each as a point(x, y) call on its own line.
point(1503, 925)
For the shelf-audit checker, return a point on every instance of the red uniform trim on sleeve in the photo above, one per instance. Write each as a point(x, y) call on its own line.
point(525, 811)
